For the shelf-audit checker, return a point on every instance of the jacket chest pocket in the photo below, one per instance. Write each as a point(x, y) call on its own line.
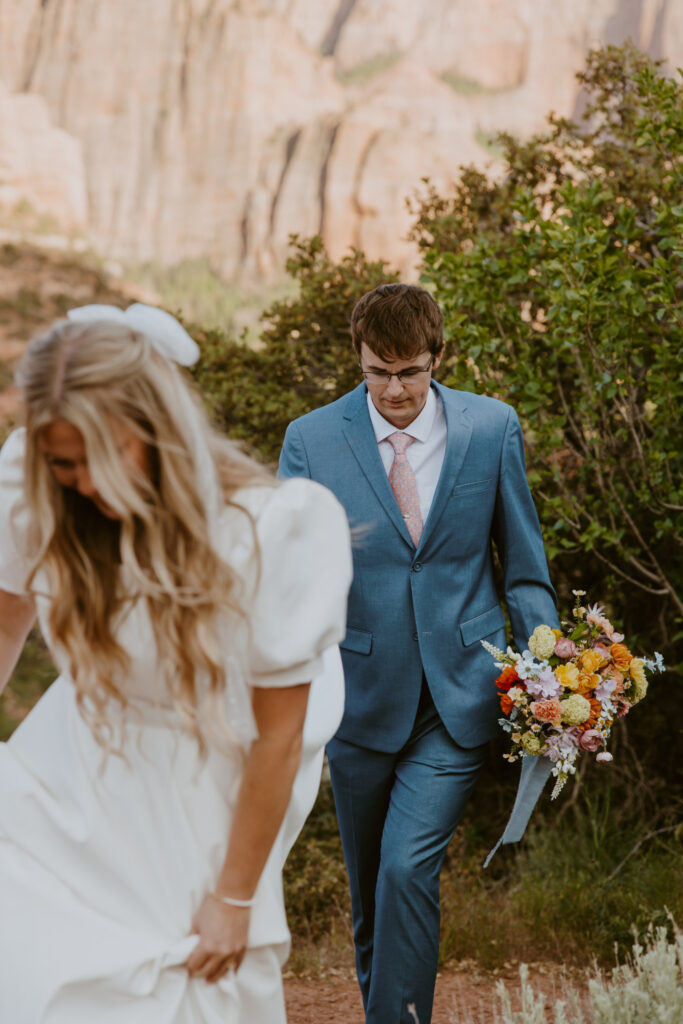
point(472, 492)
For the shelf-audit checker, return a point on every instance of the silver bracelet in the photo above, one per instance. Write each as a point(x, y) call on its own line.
point(232, 902)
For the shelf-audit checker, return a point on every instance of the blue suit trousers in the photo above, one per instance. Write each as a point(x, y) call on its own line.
point(397, 813)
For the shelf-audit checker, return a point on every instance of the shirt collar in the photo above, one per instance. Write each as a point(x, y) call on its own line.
point(420, 428)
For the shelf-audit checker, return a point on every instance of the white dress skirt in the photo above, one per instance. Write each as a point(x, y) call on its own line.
point(104, 860)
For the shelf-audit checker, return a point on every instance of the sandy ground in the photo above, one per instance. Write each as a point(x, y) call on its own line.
point(463, 996)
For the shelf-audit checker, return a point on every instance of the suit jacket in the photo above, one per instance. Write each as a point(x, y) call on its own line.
point(425, 610)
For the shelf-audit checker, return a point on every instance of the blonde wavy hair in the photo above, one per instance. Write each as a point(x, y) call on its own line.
point(91, 374)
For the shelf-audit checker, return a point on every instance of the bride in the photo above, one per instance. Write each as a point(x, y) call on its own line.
point(149, 800)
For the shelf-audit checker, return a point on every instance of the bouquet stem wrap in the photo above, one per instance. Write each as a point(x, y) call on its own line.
point(534, 775)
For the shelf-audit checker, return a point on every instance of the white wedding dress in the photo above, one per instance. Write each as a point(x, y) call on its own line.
point(104, 860)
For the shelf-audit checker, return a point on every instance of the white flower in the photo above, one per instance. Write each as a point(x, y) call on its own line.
point(656, 665)
point(527, 666)
point(495, 652)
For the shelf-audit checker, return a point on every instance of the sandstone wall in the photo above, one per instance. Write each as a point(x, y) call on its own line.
point(180, 129)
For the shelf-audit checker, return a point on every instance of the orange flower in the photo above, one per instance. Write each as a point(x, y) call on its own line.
point(587, 683)
point(622, 656)
point(507, 678)
point(506, 704)
point(547, 710)
point(596, 711)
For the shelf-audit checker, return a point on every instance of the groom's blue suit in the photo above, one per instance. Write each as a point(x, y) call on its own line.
point(418, 682)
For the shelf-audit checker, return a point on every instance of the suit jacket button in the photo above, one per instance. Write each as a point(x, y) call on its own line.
point(417, 567)
point(414, 636)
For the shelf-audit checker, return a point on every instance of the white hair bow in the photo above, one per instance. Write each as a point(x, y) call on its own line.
point(163, 330)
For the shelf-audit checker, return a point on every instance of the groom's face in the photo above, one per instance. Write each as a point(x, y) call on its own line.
point(398, 401)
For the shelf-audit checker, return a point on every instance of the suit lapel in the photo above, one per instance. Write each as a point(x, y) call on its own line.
point(357, 428)
point(458, 435)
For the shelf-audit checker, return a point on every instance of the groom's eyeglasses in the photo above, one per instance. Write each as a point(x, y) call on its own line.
point(404, 376)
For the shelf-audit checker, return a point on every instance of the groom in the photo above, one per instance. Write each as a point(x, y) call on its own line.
point(429, 477)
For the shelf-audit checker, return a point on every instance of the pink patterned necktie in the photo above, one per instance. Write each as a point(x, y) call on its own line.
point(404, 485)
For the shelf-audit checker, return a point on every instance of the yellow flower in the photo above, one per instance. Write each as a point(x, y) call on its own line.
point(636, 670)
point(568, 676)
point(638, 691)
point(542, 642)
point(591, 660)
point(575, 710)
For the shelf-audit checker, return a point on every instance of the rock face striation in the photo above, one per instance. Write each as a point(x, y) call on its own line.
point(185, 129)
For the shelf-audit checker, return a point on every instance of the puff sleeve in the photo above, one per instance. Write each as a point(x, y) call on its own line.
point(302, 583)
point(15, 516)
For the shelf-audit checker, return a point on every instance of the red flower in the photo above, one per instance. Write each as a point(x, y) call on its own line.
point(506, 704)
point(507, 678)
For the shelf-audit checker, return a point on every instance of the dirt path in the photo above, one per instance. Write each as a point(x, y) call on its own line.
point(462, 997)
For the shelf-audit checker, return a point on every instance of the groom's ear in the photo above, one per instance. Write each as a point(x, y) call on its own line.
point(438, 357)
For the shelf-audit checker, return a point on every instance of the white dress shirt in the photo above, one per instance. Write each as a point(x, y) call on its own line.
point(425, 454)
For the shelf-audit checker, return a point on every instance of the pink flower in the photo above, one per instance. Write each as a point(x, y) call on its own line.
point(564, 647)
point(594, 617)
point(601, 649)
point(545, 686)
point(612, 672)
point(603, 756)
point(605, 689)
point(591, 740)
point(546, 710)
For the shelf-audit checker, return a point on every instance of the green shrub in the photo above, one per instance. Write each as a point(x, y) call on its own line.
point(305, 358)
point(316, 887)
point(561, 287)
point(604, 858)
point(32, 676)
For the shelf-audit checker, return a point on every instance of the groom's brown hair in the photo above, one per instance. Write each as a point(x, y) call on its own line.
point(397, 321)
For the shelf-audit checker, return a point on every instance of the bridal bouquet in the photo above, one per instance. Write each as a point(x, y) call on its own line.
point(561, 696)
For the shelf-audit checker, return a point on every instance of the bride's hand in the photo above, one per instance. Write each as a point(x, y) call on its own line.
point(222, 932)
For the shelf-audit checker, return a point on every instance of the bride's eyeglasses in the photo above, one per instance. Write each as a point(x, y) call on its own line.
point(404, 376)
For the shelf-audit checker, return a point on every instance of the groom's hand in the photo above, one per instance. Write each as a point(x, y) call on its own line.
point(222, 932)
